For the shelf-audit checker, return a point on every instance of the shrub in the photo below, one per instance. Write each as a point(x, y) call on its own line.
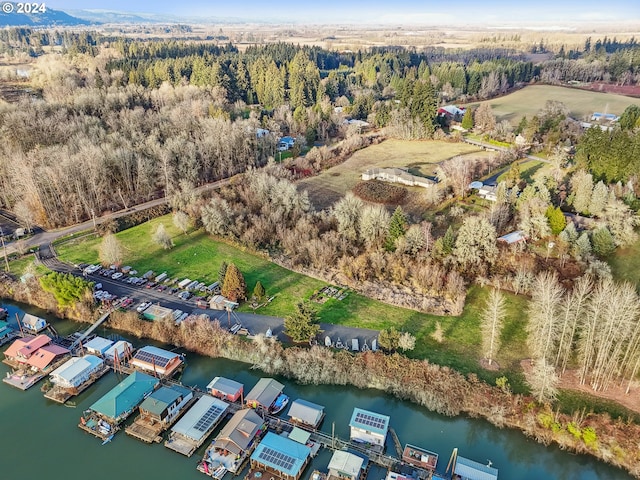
point(574, 430)
point(589, 437)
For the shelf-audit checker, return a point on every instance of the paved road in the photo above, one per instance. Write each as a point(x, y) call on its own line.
point(46, 237)
point(255, 323)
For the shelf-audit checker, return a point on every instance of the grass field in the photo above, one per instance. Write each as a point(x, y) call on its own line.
point(581, 103)
point(625, 264)
point(420, 157)
point(198, 256)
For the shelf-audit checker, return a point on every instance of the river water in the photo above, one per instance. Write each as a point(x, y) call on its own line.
point(40, 438)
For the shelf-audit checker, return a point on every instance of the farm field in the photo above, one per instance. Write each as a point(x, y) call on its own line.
point(420, 157)
point(625, 264)
point(581, 103)
point(197, 255)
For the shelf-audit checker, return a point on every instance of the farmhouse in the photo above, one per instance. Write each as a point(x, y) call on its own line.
point(285, 143)
point(451, 112)
point(226, 389)
point(305, 413)
point(368, 427)
point(280, 457)
point(33, 324)
point(196, 425)
point(397, 175)
point(165, 404)
point(346, 465)
point(156, 360)
point(75, 371)
point(98, 346)
point(488, 192)
point(118, 403)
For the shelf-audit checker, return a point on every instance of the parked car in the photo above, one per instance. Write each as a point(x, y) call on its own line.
point(151, 284)
point(184, 295)
point(142, 307)
point(117, 275)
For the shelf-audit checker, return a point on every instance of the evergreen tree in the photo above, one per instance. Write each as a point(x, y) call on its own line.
point(258, 291)
point(302, 325)
point(602, 242)
point(389, 339)
point(557, 220)
point(234, 286)
point(467, 120)
point(397, 228)
point(222, 271)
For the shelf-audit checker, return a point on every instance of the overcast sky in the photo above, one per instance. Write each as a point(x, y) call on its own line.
point(557, 12)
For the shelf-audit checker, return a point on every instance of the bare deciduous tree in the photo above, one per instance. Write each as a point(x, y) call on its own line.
point(543, 381)
point(162, 238)
point(111, 251)
point(492, 317)
point(181, 221)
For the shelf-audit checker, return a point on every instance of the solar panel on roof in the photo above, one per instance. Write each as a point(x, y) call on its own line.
point(277, 458)
point(208, 418)
point(370, 420)
point(151, 358)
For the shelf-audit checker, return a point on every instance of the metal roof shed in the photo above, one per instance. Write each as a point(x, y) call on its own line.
point(200, 419)
point(472, 470)
point(225, 388)
point(307, 413)
point(98, 345)
point(346, 465)
point(282, 455)
point(119, 348)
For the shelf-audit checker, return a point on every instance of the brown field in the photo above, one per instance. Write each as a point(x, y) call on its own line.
point(581, 103)
point(420, 157)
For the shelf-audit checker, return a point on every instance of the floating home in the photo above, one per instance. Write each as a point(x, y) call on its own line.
point(196, 425)
point(346, 465)
point(98, 346)
point(118, 351)
point(105, 415)
point(278, 457)
point(32, 358)
point(32, 324)
point(234, 443)
point(369, 427)
point(419, 457)
point(226, 389)
point(265, 394)
point(6, 333)
point(466, 469)
point(23, 348)
point(158, 411)
point(157, 361)
point(74, 376)
point(306, 414)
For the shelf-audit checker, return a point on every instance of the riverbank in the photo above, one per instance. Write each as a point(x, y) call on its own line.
point(439, 389)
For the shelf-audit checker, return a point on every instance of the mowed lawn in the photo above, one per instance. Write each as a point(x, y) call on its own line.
point(581, 103)
point(420, 157)
point(198, 256)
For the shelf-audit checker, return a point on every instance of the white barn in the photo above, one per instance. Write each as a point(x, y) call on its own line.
point(75, 371)
point(369, 427)
point(397, 175)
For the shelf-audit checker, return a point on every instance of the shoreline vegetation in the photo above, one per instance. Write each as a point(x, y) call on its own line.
point(440, 389)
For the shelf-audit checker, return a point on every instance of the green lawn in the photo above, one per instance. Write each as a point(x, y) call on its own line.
point(198, 256)
point(625, 264)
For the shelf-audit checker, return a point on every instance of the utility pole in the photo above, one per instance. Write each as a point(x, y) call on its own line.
point(4, 247)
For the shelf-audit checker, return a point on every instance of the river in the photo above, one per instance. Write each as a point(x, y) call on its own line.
point(40, 438)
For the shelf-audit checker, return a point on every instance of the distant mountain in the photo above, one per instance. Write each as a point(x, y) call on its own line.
point(111, 16)
point(37, 19)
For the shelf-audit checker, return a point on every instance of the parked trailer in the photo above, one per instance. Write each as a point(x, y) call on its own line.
point(184, 282)
point(161, 277)
point(148, 275)
point(192, 285)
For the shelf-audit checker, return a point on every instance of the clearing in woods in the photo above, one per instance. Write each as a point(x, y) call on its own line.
point(529, 100)
point(420, 157)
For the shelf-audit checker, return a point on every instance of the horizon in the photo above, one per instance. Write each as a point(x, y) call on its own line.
point(567, 14)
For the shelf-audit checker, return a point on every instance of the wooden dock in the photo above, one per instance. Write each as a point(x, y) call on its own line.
point(150, 431)
point(93, 425)
point(22, 380)
point(61, 395)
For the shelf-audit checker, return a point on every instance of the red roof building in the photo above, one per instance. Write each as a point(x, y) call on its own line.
point(23, 348)
point(45, 356)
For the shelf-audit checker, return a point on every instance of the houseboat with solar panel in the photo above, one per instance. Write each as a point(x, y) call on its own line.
point(233, 445)
point(104, 417)
point(158, 412)
point(278, 457)
point(156, 361)
point(191, 431)
point(369, 429)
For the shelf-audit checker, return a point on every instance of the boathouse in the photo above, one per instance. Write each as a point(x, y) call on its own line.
point(306, 414)
point(157, 361)
point(98, 346)
point(196, 425)
point(419, 457)
point(347, 466)
point(118, 403)
point(118, 350)
point(165, 403)
point(239, 434)
point(33, 324)
point(264, 394)
point(280, 457)
point(470, 470)
point(368, 427)
point(75, 371)
point(226, 389)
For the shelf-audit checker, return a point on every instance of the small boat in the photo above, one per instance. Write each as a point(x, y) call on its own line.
point(269, 333)
point(339, 343)
point(327, 342)
point(365, 347)
point(355, 347)
point(219, 472)
point(108, 439)
point(279, 404)
point(374, 345)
